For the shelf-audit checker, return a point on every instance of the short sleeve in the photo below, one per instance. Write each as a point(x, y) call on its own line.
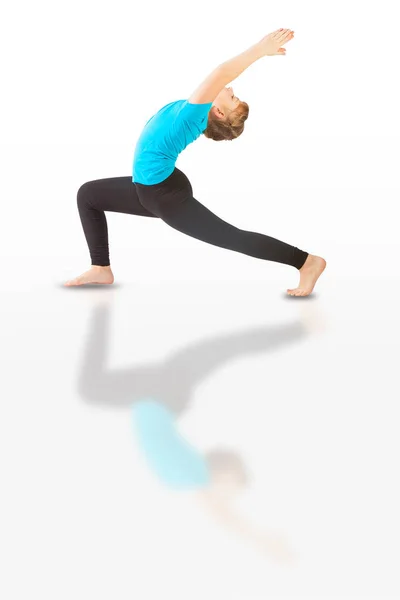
point(195, 113)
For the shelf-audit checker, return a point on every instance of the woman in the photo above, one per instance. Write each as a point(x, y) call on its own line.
point(158, 189)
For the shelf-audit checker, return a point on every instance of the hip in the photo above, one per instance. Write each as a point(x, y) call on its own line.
point(174, 189)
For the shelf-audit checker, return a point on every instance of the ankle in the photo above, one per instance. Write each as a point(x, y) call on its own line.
point(306, 263)
point(108, 267)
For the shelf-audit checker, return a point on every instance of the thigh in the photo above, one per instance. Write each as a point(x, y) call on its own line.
point(115, 194)
point(172, 200)
point(195, 219)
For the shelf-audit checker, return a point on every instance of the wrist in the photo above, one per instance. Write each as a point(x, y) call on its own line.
point(259, 50)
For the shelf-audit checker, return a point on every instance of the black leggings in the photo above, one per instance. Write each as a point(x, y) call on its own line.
point(172, 201)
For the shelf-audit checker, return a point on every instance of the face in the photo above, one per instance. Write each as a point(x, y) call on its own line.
point(225, 102)
point(227, 484)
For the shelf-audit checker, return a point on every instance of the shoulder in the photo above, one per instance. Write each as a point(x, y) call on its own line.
point(196, 107)
point(194, 112)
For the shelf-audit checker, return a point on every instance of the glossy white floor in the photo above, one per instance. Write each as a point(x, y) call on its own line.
point(300, 395)
point(192, 433)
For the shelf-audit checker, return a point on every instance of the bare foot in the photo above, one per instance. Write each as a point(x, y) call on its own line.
point(96, 274)
point(309, 273)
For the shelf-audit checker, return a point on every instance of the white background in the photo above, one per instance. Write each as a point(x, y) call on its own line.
point(313, 415)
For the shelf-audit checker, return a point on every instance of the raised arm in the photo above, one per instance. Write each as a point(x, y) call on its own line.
point(229, 70)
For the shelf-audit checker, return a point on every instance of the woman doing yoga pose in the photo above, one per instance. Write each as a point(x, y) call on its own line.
point(158, 189)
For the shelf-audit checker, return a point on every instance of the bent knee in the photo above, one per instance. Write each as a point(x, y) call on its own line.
point(84, 193)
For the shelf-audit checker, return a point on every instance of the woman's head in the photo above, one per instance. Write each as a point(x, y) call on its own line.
point(227, 470)
point(226, 117)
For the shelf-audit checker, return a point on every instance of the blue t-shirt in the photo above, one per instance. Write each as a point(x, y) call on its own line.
point(172, 459)
point(165, 135)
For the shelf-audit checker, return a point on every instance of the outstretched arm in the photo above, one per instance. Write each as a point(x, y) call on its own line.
point(269, 542)
point(229, 70)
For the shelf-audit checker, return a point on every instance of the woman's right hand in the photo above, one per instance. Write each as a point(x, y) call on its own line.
point(271, 44)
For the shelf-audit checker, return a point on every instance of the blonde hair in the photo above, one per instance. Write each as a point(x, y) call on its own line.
point(229, 128)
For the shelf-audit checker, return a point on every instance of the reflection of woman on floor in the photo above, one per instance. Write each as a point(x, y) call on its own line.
point(158, 393)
